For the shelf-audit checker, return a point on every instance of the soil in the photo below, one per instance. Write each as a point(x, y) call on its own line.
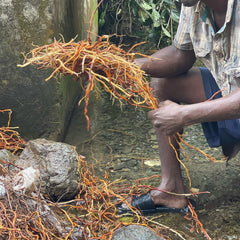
point(124, 143)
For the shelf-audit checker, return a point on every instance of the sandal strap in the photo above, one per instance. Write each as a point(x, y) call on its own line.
point(143, 202)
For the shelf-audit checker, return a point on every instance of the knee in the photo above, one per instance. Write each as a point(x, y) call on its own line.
point(158, 86)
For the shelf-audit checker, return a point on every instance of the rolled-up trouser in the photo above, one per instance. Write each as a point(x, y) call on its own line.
point(220, 133)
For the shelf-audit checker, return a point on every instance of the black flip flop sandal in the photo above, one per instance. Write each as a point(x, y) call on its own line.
point(145, 205)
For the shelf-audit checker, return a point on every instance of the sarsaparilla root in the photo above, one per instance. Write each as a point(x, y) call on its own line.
point(100, 62)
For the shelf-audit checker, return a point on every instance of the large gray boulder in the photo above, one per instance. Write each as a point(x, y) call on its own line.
point(58, 166)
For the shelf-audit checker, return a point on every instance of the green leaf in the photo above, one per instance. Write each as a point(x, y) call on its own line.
point(101, 20)
point(169, 2)
point(145, 6)
point(143, 16)
point(156, 18)
point(166, 32)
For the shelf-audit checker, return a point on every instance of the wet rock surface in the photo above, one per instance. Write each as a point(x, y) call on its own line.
point(58, 166)
point(135, 232)
point(125, 145)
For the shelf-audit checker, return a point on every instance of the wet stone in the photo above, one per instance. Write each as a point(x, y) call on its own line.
point(7, 156)
point(127, 149)
point(151, 131)
point(153, 163)
point(153, 137)
point(76, 234)
point(127, 164)
point(135, 232)
point(124, 159)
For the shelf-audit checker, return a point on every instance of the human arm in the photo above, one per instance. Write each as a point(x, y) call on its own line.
point(167, 62)
point(224, 108)
point(171, 117)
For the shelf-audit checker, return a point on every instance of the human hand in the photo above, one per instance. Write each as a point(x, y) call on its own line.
point(168, 117)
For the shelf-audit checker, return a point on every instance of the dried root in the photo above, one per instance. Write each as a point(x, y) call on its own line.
point(9, 138)
point(102, 63)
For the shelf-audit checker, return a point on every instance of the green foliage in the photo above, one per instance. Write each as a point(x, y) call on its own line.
point(153, 21)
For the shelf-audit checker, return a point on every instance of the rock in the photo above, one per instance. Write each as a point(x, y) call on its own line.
point(2, 188)
point(76, 233)
point(122, 165)
point(153, 163)
point(48, 217)
point(21, 198)
point(153, 137)
point(25, 181)
point(58, 166)
point(135, 232)
point(7, 156)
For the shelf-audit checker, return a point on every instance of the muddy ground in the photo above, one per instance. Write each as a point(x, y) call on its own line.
point(124, 144)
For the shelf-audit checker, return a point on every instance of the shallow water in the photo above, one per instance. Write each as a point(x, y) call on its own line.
point(124, 144)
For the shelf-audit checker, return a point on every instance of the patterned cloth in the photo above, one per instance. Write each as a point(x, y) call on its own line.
point(219, 50)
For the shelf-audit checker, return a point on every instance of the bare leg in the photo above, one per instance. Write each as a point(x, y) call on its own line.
point(187, 88)
point(171, 175)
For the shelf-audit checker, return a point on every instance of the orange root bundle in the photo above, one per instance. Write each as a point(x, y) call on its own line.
point(9, 138)
point(102, 62)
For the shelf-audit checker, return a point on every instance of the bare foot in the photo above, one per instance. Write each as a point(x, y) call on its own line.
point(168, 199)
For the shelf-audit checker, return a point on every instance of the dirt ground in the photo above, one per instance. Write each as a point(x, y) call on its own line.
point(124, 144)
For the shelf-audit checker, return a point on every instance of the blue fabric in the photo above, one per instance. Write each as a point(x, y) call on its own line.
point(220, 133)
